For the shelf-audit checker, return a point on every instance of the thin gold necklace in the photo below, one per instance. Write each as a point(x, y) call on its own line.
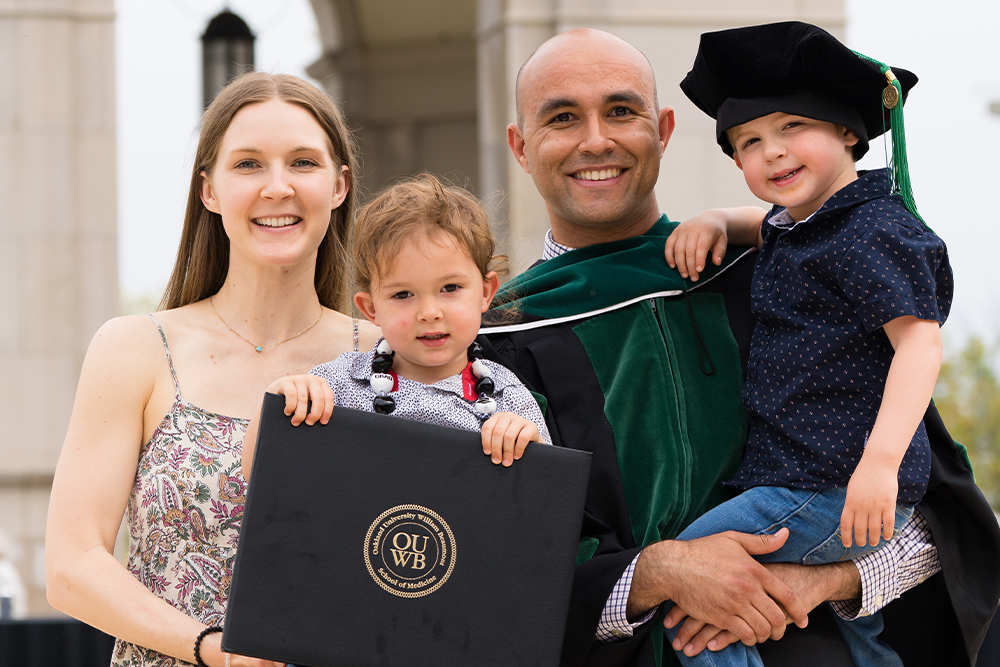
point(261, 348)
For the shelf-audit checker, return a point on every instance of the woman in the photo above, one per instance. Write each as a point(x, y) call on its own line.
point(158, 430)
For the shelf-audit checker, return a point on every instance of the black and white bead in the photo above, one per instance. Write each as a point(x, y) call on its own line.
point(485, 404)
point(382, 380)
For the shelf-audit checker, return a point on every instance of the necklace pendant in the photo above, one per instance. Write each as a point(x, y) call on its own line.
point(485, 405)
point(258, 348)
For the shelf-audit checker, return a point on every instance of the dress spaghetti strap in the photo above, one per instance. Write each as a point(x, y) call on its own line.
point(184, 514)
point(353, 319)
point(166, 348)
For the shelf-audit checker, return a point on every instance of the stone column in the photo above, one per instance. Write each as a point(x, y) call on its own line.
point(58, 263)
point(694, 173)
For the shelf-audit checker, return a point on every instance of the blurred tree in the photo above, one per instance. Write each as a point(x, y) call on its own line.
point(968, 397)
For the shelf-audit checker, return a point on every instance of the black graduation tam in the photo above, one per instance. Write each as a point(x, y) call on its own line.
point(796, 68)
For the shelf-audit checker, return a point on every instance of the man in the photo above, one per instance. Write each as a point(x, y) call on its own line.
point(646, 376)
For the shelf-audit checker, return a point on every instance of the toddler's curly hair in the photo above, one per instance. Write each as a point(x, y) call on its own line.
point(420, 204)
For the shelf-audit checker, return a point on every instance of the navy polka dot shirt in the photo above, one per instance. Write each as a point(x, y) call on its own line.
point(822, 290)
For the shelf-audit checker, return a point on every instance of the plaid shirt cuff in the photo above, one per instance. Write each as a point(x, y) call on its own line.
point(904, 562)
point(614, 624)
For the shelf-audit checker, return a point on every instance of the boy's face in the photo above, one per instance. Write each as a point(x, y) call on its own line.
point(429, 304)
point(793, 161)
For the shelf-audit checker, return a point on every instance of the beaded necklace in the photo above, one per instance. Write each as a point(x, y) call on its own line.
point(384, 380)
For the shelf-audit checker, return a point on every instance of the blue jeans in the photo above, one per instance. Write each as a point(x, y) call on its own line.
point(813, 522)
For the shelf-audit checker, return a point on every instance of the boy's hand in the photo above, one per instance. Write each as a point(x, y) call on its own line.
point(870, 508)
point(505, 435)
point(689, 244)
point(307, 398)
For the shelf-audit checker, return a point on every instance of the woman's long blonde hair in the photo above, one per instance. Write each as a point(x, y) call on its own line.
point(203, 256)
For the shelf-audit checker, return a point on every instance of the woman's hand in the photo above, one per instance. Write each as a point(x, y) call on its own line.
point(213, 656)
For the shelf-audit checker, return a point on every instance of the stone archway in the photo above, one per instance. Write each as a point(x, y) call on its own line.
point(405, 75)
point(431, 87)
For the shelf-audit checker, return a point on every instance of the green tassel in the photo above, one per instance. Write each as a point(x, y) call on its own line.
point(899, 166)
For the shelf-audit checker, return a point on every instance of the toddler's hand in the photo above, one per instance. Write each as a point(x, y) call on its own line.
point(689, 244)
point(307, 398)
point(870, 507)
point(505, 435)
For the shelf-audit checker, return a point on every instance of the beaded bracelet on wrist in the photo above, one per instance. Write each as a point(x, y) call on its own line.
point(197, 644)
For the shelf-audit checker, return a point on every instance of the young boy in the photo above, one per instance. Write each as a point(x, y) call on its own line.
point(849, 291)
point(423, 255)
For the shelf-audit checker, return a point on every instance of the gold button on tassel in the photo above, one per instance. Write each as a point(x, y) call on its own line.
point(890, 94)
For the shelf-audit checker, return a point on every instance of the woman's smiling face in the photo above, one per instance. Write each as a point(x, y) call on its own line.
point(274, 184)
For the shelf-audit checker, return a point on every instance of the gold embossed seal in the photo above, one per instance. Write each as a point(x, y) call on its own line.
point(410, 551)
point(890, 94)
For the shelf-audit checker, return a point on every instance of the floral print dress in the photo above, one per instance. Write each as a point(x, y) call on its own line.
point(184, 515)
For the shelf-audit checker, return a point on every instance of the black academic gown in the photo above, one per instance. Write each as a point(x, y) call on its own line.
point(941, 622)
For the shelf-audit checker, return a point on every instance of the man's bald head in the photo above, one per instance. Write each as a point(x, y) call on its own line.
point(571, 44)
point(591, 134)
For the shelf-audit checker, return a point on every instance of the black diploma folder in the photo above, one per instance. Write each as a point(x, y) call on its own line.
point(375, 540)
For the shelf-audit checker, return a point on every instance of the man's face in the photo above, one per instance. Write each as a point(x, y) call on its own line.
point(591, 136)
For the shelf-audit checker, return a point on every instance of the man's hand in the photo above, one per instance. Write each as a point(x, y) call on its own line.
point(813, 584)
point(695, 636)
point(716, 580)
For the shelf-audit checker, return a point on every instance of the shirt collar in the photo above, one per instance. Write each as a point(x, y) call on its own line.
point(868, 185)
point(551, 249)
point(783, 219)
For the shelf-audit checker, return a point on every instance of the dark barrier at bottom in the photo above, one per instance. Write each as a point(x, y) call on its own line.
point(68, 643)
point(53, 643)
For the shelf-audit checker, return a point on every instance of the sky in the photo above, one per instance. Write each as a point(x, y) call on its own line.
point(951, 136)
point(952, 139)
